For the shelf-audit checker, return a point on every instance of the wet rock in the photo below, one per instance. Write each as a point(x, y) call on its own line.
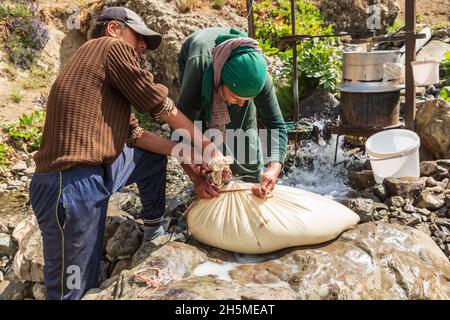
point(8, 246)
point(428, 168)
point(120, 266)
point(125, 242)
point(432, 198)
point(380, 191)
point(39, 291)
point(432, 124)
point(395, 201)
point(407, 187)
point(19, 166)
point(364, 208)
point(362, 179)
point(372, 261)
point(29, 260)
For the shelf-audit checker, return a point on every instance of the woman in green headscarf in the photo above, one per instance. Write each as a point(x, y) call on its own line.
point(225, 84)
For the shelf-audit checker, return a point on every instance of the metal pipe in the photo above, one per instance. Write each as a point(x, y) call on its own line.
point(294, 64)
point(410, 96)
point(250, 19)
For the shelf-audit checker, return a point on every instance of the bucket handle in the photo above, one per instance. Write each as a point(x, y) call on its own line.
point(396, 156)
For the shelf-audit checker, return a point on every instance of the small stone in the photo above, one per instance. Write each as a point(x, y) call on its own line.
point(441, 212)
point(427, 168)
point(380, 206)
point(39, 291)
point(362, 180)
point(29, 171)
point(395, 201)
point(407, 187)
point(431, 182)
point(432, 198)
point(408, 207)
point(442, 222)
point(364, 208)
point(24, 179)
point(8, 246)
point(19, 166)
point(380, 191)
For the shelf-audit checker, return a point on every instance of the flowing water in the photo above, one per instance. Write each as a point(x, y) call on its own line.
point(316, 171)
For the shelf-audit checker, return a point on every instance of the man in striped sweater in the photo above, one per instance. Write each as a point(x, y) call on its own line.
point(93, 146)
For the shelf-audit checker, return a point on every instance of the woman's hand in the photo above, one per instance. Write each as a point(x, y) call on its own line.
point(269, 180)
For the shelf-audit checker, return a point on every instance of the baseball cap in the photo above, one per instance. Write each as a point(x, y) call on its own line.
point(134, 21)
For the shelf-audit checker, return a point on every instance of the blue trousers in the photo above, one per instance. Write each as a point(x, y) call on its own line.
point(71, 208)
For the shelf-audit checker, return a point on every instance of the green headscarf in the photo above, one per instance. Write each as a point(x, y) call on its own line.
point(244, 73)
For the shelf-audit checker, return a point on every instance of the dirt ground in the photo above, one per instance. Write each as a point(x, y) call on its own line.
point(430, 11)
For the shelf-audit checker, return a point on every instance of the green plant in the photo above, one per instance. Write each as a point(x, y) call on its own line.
point(445, 93)
point(318, 63)
point(445, 68)
point(16, 96)
point(218, 4)
point(27, 132)
point(396, 26)
point(5, 151)
point(26, 34)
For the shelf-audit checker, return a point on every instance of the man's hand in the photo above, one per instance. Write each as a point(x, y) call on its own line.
point(269, 180)
point(205, 189)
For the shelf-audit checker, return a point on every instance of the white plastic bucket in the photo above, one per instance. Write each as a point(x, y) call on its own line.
point(394, 154)
point(425, 73)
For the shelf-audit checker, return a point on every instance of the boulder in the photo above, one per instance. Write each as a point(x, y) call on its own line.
point(29, 260)
point(352, 15)
point(39, 291)
point(19, 166)
point(432, 124)
point(125, 242)
point(318, 101)
point(372, 261)
point(407, 187)
point(362, 179)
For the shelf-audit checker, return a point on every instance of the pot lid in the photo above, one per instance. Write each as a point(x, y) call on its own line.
point(371, 87)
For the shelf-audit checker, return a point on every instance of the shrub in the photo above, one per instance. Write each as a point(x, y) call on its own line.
point(26, 34)
point(218, 4)
point(16, 96)
point(27, 132)
point(318, 62)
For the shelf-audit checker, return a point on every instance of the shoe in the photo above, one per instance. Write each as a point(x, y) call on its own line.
point(153, 234)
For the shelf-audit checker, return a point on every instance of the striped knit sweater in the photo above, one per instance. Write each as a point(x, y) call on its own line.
point(89, 108)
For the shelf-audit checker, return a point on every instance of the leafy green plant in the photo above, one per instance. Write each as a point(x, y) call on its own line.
point(28, 131)
point(318, 63)
point(396, 26)
point(445, 68)
point(5, 151)
point(445, 93)
point(16, 96)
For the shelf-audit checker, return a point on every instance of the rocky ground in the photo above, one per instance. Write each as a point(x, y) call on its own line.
point(401, 249)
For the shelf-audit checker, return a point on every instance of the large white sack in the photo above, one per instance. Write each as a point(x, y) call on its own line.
point(242, 222)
